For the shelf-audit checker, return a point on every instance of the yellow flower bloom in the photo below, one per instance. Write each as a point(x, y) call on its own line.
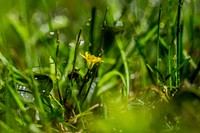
point(91, 59)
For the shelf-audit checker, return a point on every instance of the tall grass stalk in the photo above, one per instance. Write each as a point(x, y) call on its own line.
point(169, 67)
point(179, 43)
point(158, 46)
point(186, 61)
point(91, 34)
point(77, 103)
point(192, 11)
point(120, 46)
point(76, 52)
point(56, 65)
point(74, 95)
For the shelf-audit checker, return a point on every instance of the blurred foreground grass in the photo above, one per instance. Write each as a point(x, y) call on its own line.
point(106, 66)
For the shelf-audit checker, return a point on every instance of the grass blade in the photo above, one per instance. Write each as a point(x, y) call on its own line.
point(123, 55)
point(178, 68)
point(158, 46)
point(178, 45)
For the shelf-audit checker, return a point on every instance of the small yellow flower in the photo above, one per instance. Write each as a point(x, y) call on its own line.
point(91, 59)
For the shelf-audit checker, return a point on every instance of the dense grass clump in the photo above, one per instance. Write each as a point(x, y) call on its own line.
point(106, 66)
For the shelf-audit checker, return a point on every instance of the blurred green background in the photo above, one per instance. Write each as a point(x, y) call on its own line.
point(28, 40)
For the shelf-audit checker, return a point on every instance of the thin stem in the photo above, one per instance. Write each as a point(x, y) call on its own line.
point(169, 67)
point(93, 76)
point(56, 64)
point(76, 51)
point(91, 37)
point(186, 61)
point(85, 80)
point(158, 46)
point(123, 55)
point(178, 46)
point(104, 23)
point(77, 103)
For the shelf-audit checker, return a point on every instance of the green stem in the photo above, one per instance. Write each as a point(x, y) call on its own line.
point(178, 46)
point(76, 51)
point(85, 80)
point(56, 65)
point(169, 67)
point(120, 45)
point(158, 46)
point(91, 36)
point(77, 103)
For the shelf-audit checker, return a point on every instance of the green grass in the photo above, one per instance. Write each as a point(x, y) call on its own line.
point(147, 82)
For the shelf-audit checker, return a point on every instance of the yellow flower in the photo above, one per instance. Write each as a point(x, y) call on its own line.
point(91, 59)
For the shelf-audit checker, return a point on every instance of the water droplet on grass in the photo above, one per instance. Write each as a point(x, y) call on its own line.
point(52, 33)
